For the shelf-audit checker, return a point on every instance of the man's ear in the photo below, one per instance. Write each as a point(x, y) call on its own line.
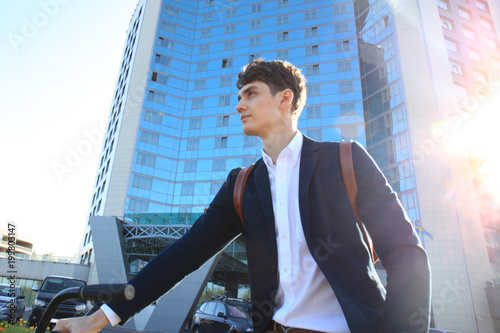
point(286, 98)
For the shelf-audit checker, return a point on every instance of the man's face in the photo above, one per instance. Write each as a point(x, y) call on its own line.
point(259, 110)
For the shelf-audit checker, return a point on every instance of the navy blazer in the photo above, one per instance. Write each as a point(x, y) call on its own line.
point(333, 238)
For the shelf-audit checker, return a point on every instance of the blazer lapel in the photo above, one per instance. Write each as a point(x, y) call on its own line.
point(308, 159)
point(264, 189)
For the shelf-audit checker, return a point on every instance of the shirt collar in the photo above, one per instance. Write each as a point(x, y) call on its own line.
point(295, 146)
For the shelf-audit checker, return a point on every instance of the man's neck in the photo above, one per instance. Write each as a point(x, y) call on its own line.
point(276, 142)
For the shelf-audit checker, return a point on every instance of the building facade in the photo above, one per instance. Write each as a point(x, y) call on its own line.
point(398, 76)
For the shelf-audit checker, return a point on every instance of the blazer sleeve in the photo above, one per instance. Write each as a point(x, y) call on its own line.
point(407, 306)
point(208, 236)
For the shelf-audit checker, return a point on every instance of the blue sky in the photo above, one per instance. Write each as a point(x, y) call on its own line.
point(58, 66)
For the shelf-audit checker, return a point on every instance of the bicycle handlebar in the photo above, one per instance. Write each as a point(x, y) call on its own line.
point(96, 292)
point(107, 292)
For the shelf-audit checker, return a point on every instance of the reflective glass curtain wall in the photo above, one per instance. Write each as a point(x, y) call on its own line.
point(190, 134)
point(387, 132)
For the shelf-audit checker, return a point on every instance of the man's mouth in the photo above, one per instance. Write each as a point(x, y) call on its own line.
point(243, 116)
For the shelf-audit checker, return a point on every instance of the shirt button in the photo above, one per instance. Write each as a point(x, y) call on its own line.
point(281, 204)
point(284, 236)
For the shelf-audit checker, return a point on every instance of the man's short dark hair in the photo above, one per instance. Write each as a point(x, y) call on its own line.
point(278, 75)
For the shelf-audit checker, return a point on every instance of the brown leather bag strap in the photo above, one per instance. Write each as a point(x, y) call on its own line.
point(239, 187)
point(347, 167)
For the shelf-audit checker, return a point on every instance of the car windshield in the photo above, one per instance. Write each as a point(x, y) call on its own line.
point(238, 311)
point(5, 291)
point(55, 285)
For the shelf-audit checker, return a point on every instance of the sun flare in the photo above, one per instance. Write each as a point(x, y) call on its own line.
point(477, 134)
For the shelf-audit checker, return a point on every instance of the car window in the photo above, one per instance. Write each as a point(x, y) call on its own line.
point(220, 308)
point(237, 311)
point(55, 285)
point(203, 307)
point(5, 291)
point(210, 309)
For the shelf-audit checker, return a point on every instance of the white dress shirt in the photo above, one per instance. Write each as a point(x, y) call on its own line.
point(304, 299)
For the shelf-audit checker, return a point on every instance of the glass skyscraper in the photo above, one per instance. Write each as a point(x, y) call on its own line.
point(378, 72)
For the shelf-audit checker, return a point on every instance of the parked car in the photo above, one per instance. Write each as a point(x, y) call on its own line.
point(12, 302)
point(50, 286)
point(223, 315)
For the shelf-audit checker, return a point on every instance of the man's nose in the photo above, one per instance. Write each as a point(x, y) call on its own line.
point(240, 107)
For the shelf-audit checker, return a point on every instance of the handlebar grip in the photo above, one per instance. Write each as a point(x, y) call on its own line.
point(107, 292)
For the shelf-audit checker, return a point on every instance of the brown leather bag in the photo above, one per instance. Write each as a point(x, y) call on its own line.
point(348, 176)
point(347, 167)
point(239, 187)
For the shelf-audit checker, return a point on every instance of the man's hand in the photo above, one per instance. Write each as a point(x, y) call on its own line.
point(90, 324)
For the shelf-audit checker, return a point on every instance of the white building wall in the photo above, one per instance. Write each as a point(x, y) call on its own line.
point(131, 114)
point(459, 261)
point(38, 270)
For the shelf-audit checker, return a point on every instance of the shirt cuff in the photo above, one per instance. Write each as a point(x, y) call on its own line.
point(110, 314)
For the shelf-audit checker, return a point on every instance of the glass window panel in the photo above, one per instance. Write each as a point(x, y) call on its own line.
point(200, 84)
point(486, 24)
point(349, 132)
point(206, 33)
point(225, 81)
point(232, 12)
point(207, 17)
point(310, 14)
point(315, 134)
point(282, 3)
point(451, 45)
point(447, 24)
point(256, 8)
point(190, 166)
point(255, 24)
point(312, 32)
point(195, 123)
point(225, 100)
point(481, 5)
point(474, 55)
point(187, 189)
point(443, 4)
point(226, 63)
point(456, 68)
point(193, 144)
point(219, 164)
point(197, 103)
point(249, 141)
point(254, 41)
point(313, 112)
point(339, 9)
point(230, 28)
point(282, 54)
point(463, 13)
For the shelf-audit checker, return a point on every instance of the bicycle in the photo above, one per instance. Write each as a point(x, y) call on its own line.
point(98, 293)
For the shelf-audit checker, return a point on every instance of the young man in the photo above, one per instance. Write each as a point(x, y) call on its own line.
point(309, 267)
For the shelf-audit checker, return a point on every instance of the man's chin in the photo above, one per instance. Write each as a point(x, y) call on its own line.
point(248, 131)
